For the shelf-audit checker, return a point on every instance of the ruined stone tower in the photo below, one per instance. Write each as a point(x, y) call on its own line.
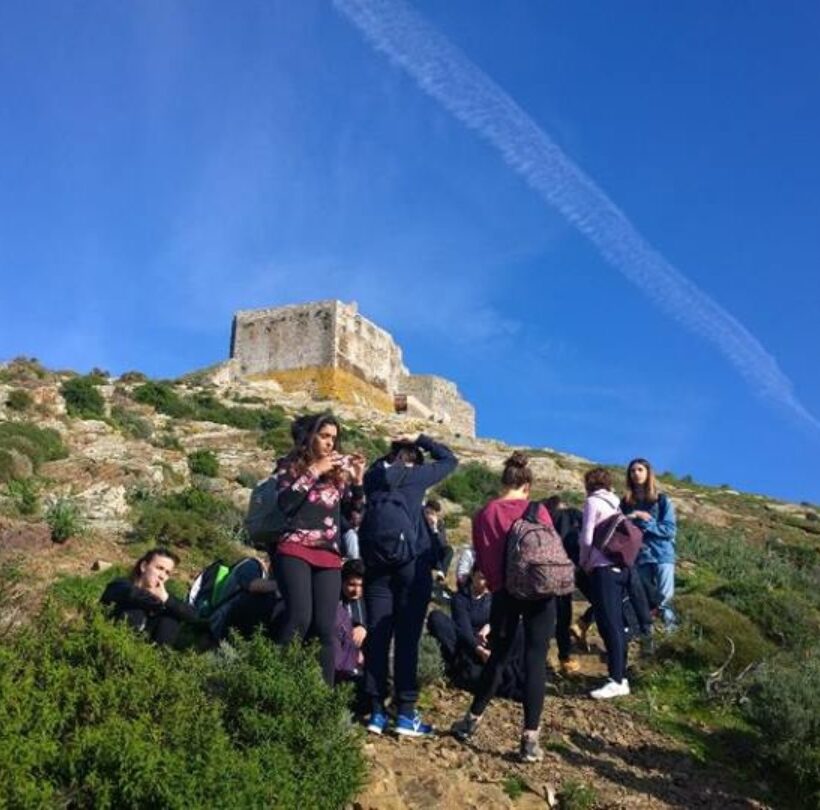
point(331, 351)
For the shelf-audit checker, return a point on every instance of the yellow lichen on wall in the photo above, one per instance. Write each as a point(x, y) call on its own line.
point(325, 382)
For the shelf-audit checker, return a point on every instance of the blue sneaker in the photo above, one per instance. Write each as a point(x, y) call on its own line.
point(410, 725)
point(378, 723)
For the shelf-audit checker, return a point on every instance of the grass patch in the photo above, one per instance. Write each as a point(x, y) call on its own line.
point(203, 462)
point(514, 786)
point(65, 520)
point(37, 444)
point(576, 795)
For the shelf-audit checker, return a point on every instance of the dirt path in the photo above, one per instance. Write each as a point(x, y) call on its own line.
point(588, 743)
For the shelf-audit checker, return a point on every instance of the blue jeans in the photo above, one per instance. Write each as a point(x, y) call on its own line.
point(662, 576)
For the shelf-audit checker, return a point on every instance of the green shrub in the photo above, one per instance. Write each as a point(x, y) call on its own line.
point(784, 615)
point(355, 440)
point(84, 590)
point(133, 377)
point(163, 398)
point(23, 369)
point(514, 786)
point(130, 423)
point(247, 479)
point(575, 795)
point(8, 469)
point(93, 717)
point(82, 399)
point(784, 705)
point(64, 519)
point(25, 495)
point(431, 664)
point(191, 518)
point(167, 440)
point(277, 440)
point(471, 486)
point(38, 444)
point(702, 640)
point(19, 400)
point(203, 462)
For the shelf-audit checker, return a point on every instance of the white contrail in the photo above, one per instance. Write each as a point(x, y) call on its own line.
point(446, 74)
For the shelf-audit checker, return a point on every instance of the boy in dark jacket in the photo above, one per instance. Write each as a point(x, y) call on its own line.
point(396, 597)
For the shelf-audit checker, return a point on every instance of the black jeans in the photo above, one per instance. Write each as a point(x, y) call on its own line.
point(539, 625)
point(609, 586)
point(396, 602)
point(310, 598)
point(162, 629)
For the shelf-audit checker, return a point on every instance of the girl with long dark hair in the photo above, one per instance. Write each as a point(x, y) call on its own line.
point(312, 482)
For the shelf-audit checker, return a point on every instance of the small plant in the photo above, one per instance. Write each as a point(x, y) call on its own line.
point(577, 795)
point(247, 478)
point(203, 462)
point(64, 519)
point(130, 423)
point(82, 399)
point(514, 786)
point(167, 440)
point(25, 494)
point(471, 486)
point(431, 664)
point(19, 400)
point(133, 377)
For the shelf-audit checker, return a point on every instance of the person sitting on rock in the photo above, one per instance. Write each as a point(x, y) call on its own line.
point(141, 599)
point(464, 639)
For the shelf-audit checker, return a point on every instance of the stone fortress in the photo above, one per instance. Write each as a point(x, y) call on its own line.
point(329, 350)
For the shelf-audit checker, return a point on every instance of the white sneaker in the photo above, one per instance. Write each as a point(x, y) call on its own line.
point(611, 689)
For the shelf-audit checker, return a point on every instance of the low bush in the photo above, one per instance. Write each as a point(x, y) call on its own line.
point(702, 641)
point(190, 518)
point(247, 478)
point(355, 440)
point(23, 369)
point(131, 423)
point(784, 704)
point(163, 398)
point(471, 486)
point(82, 399)
point(133, 377)
point(65, 520)
point(93, 717)
point(19, 400)
point(431, 664)
point(25, 495)
point(203, 462)
point(37, 444)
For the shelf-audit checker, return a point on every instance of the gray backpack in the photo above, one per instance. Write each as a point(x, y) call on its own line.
point(265, 522)
point(537, 566)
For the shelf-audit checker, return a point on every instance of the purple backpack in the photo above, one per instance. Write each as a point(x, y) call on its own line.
point(537, 564)
point(619, 539)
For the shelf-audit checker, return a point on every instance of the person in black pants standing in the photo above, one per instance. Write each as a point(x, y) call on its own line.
point(396, 597)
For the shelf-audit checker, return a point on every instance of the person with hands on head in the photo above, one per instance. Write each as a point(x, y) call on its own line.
point(654, 513)
point(143, 601)
point(312, 482)
point(397, 594)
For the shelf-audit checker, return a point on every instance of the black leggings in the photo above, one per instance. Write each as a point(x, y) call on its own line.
point(310, 595)
point(539, 625)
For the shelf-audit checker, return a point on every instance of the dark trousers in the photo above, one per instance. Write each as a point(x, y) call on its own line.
point(310, 596)
point(538, 616)
point(162, 630)
point(609, 586)
point(396, 603)
point(641, 605)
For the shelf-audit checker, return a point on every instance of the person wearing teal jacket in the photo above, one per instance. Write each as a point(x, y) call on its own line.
point(654, 513)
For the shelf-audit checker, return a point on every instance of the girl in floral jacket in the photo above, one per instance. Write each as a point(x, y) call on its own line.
point(312, 482)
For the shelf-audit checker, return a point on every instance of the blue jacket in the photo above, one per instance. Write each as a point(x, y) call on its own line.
point(658, 533)
point(413, 482)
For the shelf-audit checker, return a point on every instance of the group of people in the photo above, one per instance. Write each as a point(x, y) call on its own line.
point(359, 549)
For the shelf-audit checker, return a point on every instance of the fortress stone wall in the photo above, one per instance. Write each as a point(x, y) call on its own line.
point(331, 351)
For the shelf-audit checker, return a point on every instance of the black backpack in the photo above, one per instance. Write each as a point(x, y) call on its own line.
point(387, 535)
point(265, 522)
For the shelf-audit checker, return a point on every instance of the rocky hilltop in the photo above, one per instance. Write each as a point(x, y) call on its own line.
point(120, 449)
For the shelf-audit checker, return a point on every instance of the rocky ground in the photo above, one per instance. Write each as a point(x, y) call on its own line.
point(598, 755)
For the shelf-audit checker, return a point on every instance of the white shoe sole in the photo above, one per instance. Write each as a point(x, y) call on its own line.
point(375, 730)
point(406, 732)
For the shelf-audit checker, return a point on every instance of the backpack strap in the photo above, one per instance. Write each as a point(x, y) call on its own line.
point(531, 512)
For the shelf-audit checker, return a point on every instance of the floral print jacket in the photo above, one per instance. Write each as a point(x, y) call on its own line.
point(314, 507)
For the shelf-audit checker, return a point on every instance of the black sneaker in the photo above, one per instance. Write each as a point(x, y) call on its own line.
point(530, 750)
point(464, 729)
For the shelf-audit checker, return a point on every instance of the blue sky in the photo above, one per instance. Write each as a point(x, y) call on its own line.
point(164, 164)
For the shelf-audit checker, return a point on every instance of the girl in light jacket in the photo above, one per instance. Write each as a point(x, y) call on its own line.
point(608, 582)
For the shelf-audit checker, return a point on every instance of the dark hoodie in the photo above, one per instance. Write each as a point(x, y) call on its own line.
point(413, 482)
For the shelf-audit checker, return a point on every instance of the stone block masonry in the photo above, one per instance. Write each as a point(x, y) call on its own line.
point(331, 351)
